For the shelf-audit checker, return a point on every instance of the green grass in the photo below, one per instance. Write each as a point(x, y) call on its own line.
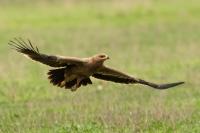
point(155, 40)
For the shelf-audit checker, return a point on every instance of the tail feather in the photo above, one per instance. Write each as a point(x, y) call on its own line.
point(56, 76)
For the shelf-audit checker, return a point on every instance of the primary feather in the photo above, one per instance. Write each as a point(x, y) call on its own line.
point(27, 49)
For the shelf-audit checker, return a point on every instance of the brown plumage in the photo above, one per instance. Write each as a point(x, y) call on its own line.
point(72, 72)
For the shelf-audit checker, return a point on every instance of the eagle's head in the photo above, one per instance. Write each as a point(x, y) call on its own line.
point(101, 57)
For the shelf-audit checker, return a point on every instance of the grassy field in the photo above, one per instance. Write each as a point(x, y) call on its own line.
point(152, 39)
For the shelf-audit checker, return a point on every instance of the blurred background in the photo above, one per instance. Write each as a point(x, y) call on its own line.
point(156, 40)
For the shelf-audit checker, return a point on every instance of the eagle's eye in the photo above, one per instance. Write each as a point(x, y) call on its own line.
point(102, 56)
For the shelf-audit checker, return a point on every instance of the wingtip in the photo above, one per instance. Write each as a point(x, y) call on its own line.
point(166, 86)
point(182, 82)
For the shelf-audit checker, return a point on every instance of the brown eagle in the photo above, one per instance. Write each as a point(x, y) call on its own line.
point(72, 72)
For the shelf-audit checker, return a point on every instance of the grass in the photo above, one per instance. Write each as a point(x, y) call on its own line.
point(155, 40)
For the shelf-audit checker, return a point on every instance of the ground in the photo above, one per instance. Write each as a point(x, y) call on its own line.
point(155, 40)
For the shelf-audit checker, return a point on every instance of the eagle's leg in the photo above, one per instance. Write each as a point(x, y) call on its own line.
point(78, 84)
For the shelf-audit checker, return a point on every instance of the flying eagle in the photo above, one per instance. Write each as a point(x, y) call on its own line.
point(72, 72)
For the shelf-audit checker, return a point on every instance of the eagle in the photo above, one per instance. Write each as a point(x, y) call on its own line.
point(73, 72)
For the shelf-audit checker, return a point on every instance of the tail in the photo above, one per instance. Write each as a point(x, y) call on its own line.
point(56, 76)
point(159, 86)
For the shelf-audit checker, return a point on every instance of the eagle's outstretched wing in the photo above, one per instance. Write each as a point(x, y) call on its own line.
point(109, 74)
point(27, 49)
